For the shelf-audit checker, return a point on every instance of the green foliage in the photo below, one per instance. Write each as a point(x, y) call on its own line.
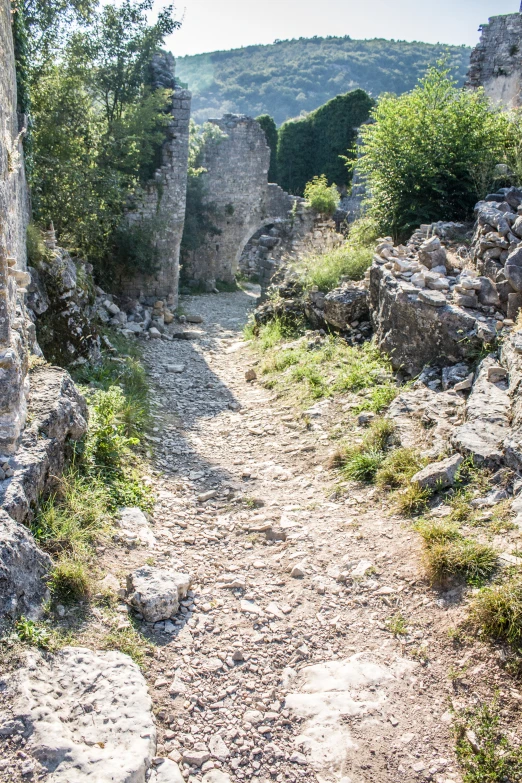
point(325, 270)
point(107, 441)
point(497, 611)
point(428, 153)
point(312, 146)
point(289, 77)
point(484, 752)
point(270, 129)
point(36, 250)
point(129, 642)
point(135, 248)
point(363, 465)
point(321, 197)
point(397, 625)
point(36, 635)
point(363, 462)
point(98, 132)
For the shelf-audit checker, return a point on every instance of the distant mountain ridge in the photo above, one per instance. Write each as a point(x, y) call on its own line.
point(287, 78)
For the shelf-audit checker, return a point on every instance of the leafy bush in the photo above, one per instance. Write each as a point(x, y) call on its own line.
point(321, 197)
point(427, 153)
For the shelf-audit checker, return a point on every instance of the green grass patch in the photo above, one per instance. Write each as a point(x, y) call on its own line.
point(325, 270)
point(397, 625)
point(129, 642)
point(484, 752)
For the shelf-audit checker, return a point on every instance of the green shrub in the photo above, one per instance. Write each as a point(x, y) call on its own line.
point(428, 154)
point(34, 634)
point(36, 249)
point(321, 197)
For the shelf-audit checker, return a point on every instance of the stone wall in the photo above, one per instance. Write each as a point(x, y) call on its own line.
point(239, 197)
point(14, 210)
point(165, 199)
point(496, 62)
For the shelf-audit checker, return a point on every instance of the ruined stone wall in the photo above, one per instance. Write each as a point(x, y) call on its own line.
point(496, 62)
point(164, 199)
point(238, 195)
point(14, 210)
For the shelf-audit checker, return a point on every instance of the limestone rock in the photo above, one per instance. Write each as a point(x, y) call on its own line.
point(135, 529)
point(166, 772)
point(439, 475)
point(156, 593)
point(23, 571)
point(58, 415)
point(487, 418)
point(88, 716)
point(345, 305)
point(216, 776)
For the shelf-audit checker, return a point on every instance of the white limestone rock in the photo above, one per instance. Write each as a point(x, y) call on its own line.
point(155, 593)
point(166, 772)
point(89, 716)
point(439, 475)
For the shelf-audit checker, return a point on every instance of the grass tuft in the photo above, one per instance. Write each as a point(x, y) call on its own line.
point(448, 554)
point(398, 467)
point(70, 580)
point(129, 642)
point(497, 611)
point(412, 501)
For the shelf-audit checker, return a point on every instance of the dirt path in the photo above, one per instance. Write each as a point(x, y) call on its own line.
point(373, 707)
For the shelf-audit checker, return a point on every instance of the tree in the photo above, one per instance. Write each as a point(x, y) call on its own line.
point(315, 145)
point(428, 153)
point(270, 129)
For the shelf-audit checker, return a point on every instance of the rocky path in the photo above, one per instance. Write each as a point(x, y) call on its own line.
point(283, 666)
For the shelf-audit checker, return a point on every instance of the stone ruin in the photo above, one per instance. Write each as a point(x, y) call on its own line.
point(496, 62)
point(164, 198)
point(244, 205)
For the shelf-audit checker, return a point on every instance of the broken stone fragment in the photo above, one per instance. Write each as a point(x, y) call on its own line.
point(250, 375)
point(156, 593)
point(439, 475)
point(166, 772)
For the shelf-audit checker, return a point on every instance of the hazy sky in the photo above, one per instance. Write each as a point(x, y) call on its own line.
point(227, 24)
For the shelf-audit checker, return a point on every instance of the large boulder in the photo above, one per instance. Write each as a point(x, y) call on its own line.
point(345, 305)
point(23, 572)
point(87, 716)
point(155, 593)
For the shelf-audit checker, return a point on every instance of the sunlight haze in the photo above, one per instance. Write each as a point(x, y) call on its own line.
point(229, 24)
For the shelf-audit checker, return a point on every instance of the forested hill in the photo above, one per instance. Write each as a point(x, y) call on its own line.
point(288, 77)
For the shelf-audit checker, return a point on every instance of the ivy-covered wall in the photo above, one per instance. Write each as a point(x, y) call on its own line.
point(313, 145)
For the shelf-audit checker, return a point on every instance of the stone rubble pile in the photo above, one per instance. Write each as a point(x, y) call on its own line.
point(426, 307)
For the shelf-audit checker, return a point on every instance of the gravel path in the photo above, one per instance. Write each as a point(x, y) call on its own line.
point(283, 667)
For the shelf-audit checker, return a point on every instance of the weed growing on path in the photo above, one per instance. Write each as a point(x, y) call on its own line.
point(497, 611)
point(448, 554)
point(484, 752)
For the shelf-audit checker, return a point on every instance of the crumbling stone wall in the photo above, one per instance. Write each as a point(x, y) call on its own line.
point(165, 196)
point(496, 61)
point(238, 195)
point(13, 222)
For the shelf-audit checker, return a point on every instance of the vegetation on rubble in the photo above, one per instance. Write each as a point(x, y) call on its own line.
point(321, 197)
point(103, 475)
point(289, 78)
point(431, 153)
point(97, 122)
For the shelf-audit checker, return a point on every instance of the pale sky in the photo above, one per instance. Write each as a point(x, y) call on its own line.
point(228, 24)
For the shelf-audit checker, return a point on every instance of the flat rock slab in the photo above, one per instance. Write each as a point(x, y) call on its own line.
point(156, 593)
point(341, 700)
point(89, 716)
point(135, 528)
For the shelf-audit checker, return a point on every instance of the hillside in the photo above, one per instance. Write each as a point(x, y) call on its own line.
point(288, 77)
